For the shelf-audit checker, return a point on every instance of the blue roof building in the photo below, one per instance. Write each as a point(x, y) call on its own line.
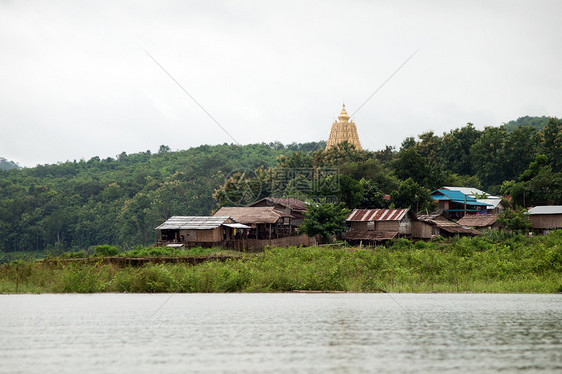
point(456, 203)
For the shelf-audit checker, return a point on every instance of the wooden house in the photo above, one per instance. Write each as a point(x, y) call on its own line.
point(480, 221)
point(294, 207)
point(192, 231)
point(264, 222)
point(377, 225)
point(429, 226)
point(455, 204)
point(396, 220)
point(495, 205)
point(546, 217)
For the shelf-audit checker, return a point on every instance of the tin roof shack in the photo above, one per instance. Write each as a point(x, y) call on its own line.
point(265, 222)
point(455, 204)
point(292, 206)
point(546, 217)
point(194, 231)
point(480, 221)
point(431, 225)
point(495, 205)
point(377, 225)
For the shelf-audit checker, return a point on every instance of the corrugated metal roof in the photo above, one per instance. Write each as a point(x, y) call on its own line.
point(237, 225)
point(291, 203)
point(377, 215)
point(444, 224)
point(251, 215)
point(491, 202)
point(546, 209)
point(457, 197)
point(478, 220)
point(193, 222)
point(470, 191)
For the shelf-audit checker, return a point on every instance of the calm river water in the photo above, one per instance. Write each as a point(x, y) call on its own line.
point(280, 333)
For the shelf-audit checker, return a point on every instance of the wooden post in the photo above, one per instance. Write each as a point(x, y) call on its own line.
point(464, 206)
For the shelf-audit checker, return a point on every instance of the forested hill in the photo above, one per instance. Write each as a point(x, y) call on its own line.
point(79, 204)
point(538, 123)
point(8, 165)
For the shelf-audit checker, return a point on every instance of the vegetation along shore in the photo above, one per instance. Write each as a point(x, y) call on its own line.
point(496, 262)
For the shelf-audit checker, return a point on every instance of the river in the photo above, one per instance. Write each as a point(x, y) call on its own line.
point(280, 333)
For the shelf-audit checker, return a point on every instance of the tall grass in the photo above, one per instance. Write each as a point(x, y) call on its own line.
point(483, 264)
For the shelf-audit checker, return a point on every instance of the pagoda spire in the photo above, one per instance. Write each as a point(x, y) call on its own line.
point(343, 130)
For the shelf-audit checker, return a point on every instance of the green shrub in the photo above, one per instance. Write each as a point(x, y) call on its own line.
point(106, 250)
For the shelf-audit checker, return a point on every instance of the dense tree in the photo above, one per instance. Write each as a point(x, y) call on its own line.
point(324, 220)
point(455, 149)
point(412, 195)
point(410, 164)
point(520, 149)
point(373, 197)
point(429, 147)
point(538, 185)
point(488, 156)
point(550, 143)
point(341, 154)
point(515, 220)
point(538, 123)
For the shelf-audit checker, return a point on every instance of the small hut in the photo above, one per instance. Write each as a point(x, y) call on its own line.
point(390, 220)
point(480, 221)
point(294, 207)
point(431, 225)
point(264, 222)
point(192, 231)
point(546, 217)
point(370, 226)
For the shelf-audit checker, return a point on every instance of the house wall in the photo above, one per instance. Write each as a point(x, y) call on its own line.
point(387, 226)
point(421, 230)
point(200, 236)
point(288, 241)
point(444, 204)
point(405, 226)
point(546, 221)
point(359, 226)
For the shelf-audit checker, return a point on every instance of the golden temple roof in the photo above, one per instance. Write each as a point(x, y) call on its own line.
point(343, 130)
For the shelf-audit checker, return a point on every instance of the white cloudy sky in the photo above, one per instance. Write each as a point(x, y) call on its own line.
point(75, 81)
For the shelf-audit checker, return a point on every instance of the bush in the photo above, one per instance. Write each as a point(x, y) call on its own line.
point(106, 250)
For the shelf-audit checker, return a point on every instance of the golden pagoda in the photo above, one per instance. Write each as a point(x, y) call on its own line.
point(343, 130)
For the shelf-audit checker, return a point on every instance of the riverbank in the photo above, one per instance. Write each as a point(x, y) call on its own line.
point(482, 264)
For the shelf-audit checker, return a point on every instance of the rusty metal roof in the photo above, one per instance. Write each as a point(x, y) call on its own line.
point(478, 220)
point(291, 203)
point(444, 224)
point(193, 222)
point(370, 235)
point(249, 215)
point(377, 215)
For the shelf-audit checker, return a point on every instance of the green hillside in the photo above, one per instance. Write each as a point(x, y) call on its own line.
point(538, 123)
point(8, 165)
point(118, 201)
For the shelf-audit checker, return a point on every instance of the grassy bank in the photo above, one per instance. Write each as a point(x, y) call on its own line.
point(483, 264)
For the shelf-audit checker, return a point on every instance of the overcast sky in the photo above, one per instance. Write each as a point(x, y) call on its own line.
point(75, 81)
